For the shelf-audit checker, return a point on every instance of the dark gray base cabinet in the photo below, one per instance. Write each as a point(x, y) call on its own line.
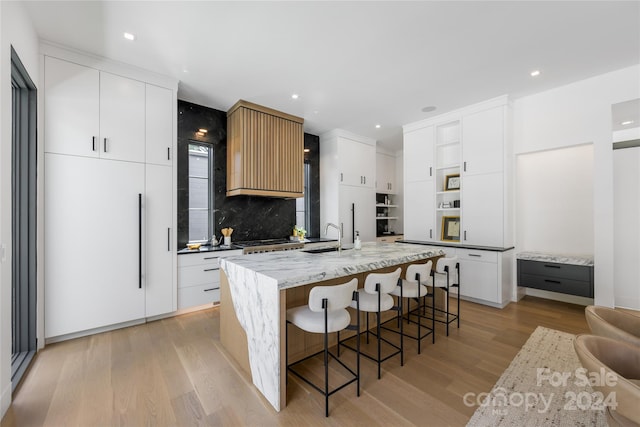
point(550, 276)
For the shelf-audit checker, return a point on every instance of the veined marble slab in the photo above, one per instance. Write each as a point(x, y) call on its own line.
point(255, 282)
point(557, 258)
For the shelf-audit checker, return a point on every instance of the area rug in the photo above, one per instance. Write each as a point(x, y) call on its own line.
point(543, 385)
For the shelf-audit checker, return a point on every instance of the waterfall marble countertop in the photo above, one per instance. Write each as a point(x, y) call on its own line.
point(556, 258)
point(297, 268)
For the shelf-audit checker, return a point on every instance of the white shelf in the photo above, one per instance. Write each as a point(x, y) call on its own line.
point(447, 209)
point(382, 205)
point(455, 166)
point(386, 217)
point(445, 143)
point(448, 192)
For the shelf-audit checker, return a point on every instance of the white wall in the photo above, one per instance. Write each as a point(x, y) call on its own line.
point(554, 201)
point(580, 113)
point(15, 30)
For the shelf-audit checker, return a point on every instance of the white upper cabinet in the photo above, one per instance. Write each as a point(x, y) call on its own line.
point(72, 108)
point(385, 173)
point(92, 113)
point(356, 162)
point(122, 118)
point(159, 120)
point(483, 210)
point(483, 135)
point(418, 154)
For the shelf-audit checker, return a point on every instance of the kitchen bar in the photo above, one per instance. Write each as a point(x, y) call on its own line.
point(257, 289)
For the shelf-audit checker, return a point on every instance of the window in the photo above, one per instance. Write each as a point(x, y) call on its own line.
point(200, 192)
point(23, 206)
point(303, 204)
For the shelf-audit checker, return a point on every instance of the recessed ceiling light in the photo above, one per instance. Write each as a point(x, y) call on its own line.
point(628, 122)
point(429, 109)
point(203, 130)
point(295, 96)
point(129, 36)
point(535, 73)
point(306, 150)
point(378, 126)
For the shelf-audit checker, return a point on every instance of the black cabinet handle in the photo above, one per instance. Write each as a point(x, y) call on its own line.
point(211, 269)
point(168, 153)
point(465, 234)
point(210, 257)
point(431, 233)
point(93, 143)
point(341, 176)
point(139, 237)
point(430, 170)
point(464, 166)
point(169, 239)
point(552, 266)
point(552, 281)
point(105, 145)
point(475, 255)
point(211, 289)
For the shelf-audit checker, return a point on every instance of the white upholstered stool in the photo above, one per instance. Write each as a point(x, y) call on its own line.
point(327, 313)
point(414, 286)
point(375, 298)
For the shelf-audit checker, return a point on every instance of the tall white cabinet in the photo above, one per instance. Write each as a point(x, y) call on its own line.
point(109, 196)
point(347, 184)
point(471, 150)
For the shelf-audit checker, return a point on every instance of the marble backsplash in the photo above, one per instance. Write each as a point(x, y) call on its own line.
point(252, 218)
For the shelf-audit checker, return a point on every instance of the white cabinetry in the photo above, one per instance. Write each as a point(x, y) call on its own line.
point(199, 278)
point(109, 217)
point(471, 147)
point(385, 173)
point(347, 175)
point(159, 114)
point(419, 190)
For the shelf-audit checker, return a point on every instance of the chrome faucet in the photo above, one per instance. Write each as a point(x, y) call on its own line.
point(326, 230)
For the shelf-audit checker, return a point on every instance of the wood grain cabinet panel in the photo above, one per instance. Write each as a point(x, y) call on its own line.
point(265, 154)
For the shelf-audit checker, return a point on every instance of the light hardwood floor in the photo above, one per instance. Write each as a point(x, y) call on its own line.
point(175, 372)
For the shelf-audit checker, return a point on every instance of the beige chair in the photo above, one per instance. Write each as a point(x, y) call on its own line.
point(616, 324)
point(616, 358)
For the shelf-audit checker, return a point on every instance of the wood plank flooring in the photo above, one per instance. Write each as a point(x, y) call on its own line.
point(174, 372)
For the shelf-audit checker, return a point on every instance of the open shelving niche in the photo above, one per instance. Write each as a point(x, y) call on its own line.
point(447, 156)
point(385, 215)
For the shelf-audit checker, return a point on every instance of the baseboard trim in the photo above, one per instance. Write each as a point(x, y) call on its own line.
point(484, 302)
point(571, 299)
point(5, 400)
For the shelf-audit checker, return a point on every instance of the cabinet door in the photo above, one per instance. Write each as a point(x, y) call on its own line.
point(357, 213)
point(483, 141)
point(159, 125)
point(160, 284)
point(419, 211)
point(122, 118)
point(418, 154)
point(91, 243)
point(483, 210)
point(72, 106)
point(479, 280)
point(356, 163)
point(385, 173)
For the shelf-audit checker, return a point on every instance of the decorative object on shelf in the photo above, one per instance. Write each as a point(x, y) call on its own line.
point(446, 205)
point(451, 228)
point(452, 182)
point(456, 203)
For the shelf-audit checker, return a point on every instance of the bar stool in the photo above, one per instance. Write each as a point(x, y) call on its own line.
point(414, 287)
point(375, 298)
point(447, 276)
point(326, 313)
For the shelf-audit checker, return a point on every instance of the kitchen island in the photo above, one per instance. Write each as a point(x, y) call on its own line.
point(257, 289)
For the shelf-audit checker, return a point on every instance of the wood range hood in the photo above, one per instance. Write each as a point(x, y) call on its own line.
point(265, 152)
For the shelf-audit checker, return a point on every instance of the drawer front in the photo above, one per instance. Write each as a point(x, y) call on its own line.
point(555, 270)
point(187, 260)
point(474, 255)
point(198, 295)
point(562, 285)
point(198, 275)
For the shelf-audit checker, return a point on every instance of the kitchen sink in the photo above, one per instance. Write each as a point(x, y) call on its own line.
point(323, 250)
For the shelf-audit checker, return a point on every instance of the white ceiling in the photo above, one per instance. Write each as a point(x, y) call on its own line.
point(354, 64)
